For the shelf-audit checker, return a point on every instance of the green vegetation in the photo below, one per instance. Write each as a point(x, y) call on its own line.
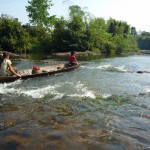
point(38, 12)
point(80, 32)
point(144, 40)
point(13, 37)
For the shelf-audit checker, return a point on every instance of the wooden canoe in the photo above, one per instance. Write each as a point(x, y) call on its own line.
point(46, 70)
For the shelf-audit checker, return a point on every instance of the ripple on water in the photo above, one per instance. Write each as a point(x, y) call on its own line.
point(98, 106)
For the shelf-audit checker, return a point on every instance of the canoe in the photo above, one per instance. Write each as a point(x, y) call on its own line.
point(45, 71)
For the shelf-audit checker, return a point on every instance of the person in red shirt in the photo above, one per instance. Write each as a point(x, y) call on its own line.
point(72, 60)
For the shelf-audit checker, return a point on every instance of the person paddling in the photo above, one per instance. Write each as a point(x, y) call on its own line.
point(72, 60)
point(6, 68)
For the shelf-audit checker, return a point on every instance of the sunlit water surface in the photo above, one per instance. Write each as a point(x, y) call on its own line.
point(103, 105)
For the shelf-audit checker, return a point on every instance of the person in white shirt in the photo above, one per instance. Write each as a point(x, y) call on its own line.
point(5, 66)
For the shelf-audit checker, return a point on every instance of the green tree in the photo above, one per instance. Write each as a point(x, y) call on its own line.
point(71, 34)
point(98, 35)
point(41, 39)
point(77, 28)
point(38, 12)
point(117, 27)
point(133, 31)
point(13, 36)
point(61, 35)
point(144, 40)
point(76, 11)
point(145, 33)
point(124, 44)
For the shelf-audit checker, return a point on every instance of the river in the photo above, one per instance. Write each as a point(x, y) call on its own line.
point(103, 105)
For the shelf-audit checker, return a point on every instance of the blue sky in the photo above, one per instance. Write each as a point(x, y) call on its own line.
point(135, 12)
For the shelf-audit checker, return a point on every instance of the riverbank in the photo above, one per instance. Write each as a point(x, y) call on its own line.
point(145, 52)
point(78, 54)
point(86, 53)
point(16, 56)
point(89, 53)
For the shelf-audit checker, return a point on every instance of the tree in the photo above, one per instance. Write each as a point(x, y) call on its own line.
point(61, 35)
point(38, 12)
point(75, 11)
point(144, 40)
point(13, 36)
point(145, 33)
point(77, 28)
point(117, 27)
point(40, 38)
point(133, 31)
point(97, 30)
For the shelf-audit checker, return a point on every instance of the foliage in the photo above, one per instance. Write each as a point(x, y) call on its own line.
point(125, 44)
point(76, 11)
point(133, 31)
point(80, 32)
point(60, 35)
point(144, 40)
point(117, 27)
point(76, 30)
point(40, 38)
point(38, 12)
point(13, 36)
point(98, 34)
point(71, 34)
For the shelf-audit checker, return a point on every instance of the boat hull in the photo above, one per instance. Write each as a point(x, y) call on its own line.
point(47, 71)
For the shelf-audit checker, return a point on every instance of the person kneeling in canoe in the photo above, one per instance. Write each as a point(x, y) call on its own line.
point(6, 68)
point(72, 60)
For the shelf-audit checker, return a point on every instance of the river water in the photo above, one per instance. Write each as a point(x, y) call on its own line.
point(103, 105)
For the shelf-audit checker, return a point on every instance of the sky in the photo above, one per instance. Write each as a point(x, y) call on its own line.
point(135, 12)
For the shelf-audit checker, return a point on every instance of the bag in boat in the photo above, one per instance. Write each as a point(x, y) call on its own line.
point(36, 69)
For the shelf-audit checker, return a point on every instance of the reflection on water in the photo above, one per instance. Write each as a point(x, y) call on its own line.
point(102, 105)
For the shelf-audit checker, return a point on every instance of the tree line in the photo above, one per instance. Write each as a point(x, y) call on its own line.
point(80, 32)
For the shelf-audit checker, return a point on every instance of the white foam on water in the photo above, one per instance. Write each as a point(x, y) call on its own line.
point(56, 91)
point(90, 95)
point(147, 89)
point(41, 92)
point(103, 67)
point(109, 67)
point(37, 92)
point(58, 96)
point(81, 90)
point(6, 88)
point(121, 68)
point(106, 95)
point(53, 90)
point(115, 68)
point(97, 67)
point(85, 92)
